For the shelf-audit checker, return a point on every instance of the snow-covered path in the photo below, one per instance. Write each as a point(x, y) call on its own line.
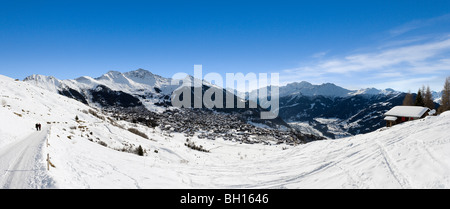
point(22, 164)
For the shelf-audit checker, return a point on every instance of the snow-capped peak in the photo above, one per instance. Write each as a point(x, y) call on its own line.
point(139, 73)
point(45, 82)
point(114, 76)
point(308, 89)
point(146, 77)
point(85, 79)
point(373, 91)
point(37, 77)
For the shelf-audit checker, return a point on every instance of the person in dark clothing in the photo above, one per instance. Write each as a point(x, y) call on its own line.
point(37, 126)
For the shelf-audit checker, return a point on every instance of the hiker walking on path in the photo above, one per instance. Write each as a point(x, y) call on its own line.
point(38, 126)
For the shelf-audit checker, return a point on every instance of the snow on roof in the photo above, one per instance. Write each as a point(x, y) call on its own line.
point(407, 111)
point(391, 118)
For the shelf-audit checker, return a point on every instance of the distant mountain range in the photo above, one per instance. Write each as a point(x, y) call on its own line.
point(332, 111)
point(326, 110)
point(331, 90)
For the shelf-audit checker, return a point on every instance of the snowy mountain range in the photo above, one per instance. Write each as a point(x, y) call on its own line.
point(332, 111)
point(305, 88)
point(340, 116)
point(325, 110)
point(92, 148)
point(135, 89)
point(93, 91)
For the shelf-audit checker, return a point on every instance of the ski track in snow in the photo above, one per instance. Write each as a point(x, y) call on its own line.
point(425, 149)
point(393, 170)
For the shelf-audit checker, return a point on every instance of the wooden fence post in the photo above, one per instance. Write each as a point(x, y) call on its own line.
point(48, 162)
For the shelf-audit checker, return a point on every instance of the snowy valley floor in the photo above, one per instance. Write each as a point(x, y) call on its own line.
point(85, 153)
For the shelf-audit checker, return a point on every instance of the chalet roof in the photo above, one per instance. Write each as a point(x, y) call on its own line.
point(407, 111)
point(391, 118)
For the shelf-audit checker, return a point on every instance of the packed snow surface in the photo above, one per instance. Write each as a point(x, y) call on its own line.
point(88, 153)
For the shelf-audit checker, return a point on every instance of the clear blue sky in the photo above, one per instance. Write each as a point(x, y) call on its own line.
point(355, 44)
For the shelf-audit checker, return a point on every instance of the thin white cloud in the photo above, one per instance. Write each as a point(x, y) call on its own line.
point(411, 84)
point(416, 24)
point(395, 65)
point(389, 75)
point(423, 58)
point(320, 54)
point(405, 55)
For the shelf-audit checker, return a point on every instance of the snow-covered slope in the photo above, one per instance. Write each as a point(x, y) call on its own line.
point(77, 148)
point(85, 152)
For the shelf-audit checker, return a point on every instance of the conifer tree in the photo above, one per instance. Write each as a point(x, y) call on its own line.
point(419, 99)
point(445, 101)
point(428, 98)
point(140, 151)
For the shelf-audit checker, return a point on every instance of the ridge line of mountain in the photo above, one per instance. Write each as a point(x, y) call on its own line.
point(141, 77)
